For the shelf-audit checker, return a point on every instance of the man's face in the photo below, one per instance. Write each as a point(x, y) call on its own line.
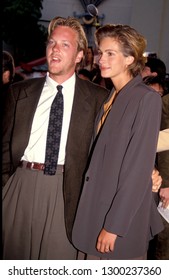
point(147, 72)
point(61, 52)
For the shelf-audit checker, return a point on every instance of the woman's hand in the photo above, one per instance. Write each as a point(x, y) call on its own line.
point(105, 241)
point(156, 179)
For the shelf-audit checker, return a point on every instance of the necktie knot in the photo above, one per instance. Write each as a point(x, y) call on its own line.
point(59, 88)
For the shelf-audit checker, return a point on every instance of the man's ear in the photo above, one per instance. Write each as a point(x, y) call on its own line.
point(79, 57)
point(5, 77)
point(154, 74)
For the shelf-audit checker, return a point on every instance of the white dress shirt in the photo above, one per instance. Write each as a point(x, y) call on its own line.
point(163, 140)
point(35, 151)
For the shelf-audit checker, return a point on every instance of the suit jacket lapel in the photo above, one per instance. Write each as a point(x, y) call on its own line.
point(27, 100)
point(79, 117)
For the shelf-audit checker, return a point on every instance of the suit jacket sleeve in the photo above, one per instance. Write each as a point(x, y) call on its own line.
point(19, 108)
point(163, 157)
point(163, 140)
point(7, 127)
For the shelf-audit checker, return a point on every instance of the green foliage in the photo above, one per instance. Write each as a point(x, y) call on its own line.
point(20, 29)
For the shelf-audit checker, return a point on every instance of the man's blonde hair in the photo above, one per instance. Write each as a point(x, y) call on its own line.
point(73, 23)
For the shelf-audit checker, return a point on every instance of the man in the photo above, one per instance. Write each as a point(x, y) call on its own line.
point(8, 68)
point(154, 67)
point(162, 245)
point(156, 83)
point(154, 74)
point(8, 73)
point(38, 210)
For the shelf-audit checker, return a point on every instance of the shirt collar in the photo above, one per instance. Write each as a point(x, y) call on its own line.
point(67, 84)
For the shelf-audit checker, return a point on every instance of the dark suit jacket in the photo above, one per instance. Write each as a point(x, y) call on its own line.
point(163, 157)
point(20, 108)
point(117, 192)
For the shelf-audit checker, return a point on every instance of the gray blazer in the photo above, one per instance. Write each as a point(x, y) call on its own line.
point(117, 191)
point(20, 107)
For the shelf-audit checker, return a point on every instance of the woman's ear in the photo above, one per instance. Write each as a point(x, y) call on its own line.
point(129, 59)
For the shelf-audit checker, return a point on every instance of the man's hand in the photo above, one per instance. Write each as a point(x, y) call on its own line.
point(157, 180)
point(164, 195)
point(105, 241)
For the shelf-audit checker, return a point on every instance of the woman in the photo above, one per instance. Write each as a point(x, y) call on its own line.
point(89, 59)
point(117, 215)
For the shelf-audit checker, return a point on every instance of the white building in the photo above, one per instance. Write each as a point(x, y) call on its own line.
point(149, 17)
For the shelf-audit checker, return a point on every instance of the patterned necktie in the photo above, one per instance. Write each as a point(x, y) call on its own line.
point(54, 133)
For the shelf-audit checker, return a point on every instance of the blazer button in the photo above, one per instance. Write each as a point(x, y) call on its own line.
point(87, 178)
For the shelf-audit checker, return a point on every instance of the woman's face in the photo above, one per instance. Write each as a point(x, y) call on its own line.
point(89, 55)
point(112, 62)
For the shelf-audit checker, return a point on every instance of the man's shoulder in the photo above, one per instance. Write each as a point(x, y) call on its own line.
point(91, 87)
point(26, 87)
point(165, 99)
point(27, 82)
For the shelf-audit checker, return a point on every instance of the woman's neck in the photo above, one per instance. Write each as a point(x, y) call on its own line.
point(121, 82)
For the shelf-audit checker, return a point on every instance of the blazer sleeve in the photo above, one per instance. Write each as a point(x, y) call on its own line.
point(7, 127)
point(135, 185)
